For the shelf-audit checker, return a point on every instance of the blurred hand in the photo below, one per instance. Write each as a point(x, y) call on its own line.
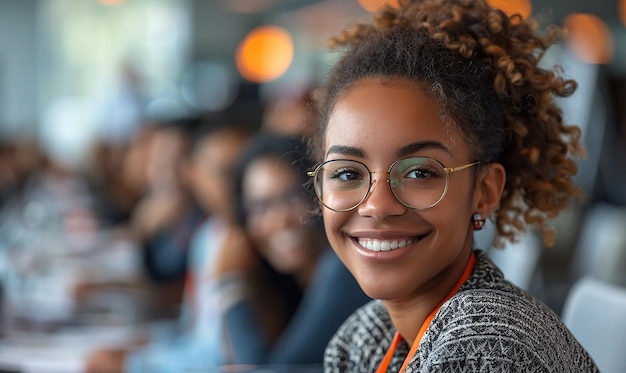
point(112, 360)
point(156, 211)
point(105, 361)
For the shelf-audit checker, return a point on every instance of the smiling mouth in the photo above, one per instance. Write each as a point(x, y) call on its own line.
point(386, 245)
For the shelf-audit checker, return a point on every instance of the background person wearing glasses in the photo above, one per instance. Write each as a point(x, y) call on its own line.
point(289, 290)
point(435, 118)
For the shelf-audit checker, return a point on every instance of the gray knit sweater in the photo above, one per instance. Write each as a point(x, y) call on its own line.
point(490, 325)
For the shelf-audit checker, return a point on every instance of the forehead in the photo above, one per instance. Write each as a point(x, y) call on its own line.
point(221, 146)
point(384, 116)
point(268, 175)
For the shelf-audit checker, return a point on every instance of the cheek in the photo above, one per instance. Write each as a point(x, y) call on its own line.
point(256, 229)
point(333, 223)
point(263, 228)
point(258, 233)
point(451, 217)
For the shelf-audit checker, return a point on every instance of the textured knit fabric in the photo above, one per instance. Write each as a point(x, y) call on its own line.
point(490, 325)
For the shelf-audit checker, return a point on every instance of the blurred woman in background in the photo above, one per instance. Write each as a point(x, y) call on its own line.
point(288, 290)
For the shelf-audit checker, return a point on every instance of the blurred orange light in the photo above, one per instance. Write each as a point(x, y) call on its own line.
point(511, 7)
point(622, 11)
point(377, 5)
point(394, 3)
point(372, 5)
point(589, 38)
point(264, 54)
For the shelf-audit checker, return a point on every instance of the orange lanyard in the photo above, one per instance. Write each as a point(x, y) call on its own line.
point(382, 368)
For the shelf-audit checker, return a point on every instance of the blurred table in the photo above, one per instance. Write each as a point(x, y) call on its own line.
point(242, 368)
point(62, 351)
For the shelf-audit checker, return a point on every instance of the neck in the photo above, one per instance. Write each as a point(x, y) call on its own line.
point(409, 314)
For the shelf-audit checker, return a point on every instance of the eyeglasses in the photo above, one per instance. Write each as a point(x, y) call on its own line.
point(417, 182)
point(290, 199)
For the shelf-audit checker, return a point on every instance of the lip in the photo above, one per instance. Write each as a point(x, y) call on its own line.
point(388, 246)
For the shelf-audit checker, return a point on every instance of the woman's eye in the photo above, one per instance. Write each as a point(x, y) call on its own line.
point(419, 173)
point(346, 175)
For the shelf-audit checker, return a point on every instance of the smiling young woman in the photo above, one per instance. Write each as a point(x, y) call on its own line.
point(436, 118)
point(377, 122)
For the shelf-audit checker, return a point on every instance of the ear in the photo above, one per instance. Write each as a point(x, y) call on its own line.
point(489, 187)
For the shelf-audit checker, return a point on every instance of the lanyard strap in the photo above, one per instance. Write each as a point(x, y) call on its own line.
point(384, 364)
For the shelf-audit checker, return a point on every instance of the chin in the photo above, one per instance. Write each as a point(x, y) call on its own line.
point(380, 292)
point(380, 286)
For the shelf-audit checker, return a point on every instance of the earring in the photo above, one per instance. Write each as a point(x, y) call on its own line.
point(477, 222)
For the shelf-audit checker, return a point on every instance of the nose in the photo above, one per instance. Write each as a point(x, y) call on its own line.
point(380, 201)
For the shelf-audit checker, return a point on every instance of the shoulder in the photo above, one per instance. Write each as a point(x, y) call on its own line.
point(369, 321)
point(493, 324)
point(507, 314)
point(361, 341)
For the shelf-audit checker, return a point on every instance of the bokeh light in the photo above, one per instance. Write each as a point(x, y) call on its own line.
point(622, 11)
point(589, 38)
point(265, 54)
point(393, 3)
point(511, 7)
point(372, 5)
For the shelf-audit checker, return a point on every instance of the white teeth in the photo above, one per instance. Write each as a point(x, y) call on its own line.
point(378, 245)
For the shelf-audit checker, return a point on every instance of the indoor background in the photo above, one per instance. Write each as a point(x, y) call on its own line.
point(75, 74)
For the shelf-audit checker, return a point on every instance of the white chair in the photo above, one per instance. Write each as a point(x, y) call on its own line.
point(595, 312)
point(519, 260)
point(601, 248)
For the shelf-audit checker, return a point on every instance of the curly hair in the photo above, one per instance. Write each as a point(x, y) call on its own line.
point(483, 68)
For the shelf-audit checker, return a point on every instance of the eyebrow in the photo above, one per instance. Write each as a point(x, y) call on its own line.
point(403, 152)
point(420, 146)
point(346, 150)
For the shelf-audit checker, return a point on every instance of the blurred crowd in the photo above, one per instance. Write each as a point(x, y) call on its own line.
point(196, 228)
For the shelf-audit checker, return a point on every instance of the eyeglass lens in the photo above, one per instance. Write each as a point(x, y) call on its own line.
point(417, 182)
